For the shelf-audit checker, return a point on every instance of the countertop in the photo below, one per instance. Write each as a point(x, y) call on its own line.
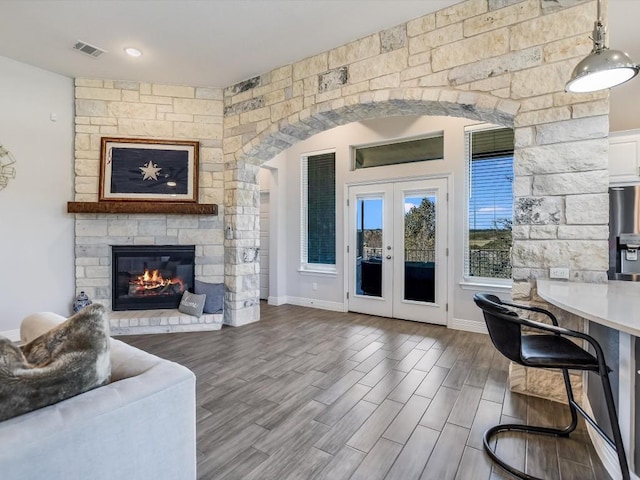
point(615, 304)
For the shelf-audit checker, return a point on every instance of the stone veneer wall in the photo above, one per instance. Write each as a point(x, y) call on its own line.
point(132, 109)
point(491, 60)
point(502, 61)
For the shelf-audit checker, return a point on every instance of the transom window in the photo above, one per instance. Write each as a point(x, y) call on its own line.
point(406, 151)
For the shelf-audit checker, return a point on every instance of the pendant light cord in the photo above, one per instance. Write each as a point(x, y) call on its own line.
point(599, 31)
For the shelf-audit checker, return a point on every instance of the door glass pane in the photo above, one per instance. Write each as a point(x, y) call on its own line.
point(369, 246)
point(419, 247)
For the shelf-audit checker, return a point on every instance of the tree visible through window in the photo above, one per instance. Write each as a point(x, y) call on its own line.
point(420, 231)
point(490, 170)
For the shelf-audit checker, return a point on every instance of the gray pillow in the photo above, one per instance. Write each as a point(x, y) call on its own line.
point(69, 359)
point(192, 304)
point(215, 295)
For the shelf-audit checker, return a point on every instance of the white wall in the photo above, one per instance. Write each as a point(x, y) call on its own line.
point(624, 100)
point(36, 233)
point(297, 287)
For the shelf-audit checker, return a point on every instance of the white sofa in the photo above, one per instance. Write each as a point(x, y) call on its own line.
point(140, 426)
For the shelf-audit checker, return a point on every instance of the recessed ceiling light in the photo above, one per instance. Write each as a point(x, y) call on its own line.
point(133, 52)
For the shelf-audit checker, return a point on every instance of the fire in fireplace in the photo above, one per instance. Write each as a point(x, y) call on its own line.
point(151, 276)
point(153, 283)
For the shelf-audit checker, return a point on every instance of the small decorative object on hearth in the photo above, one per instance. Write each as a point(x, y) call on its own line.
point(80, 302)
point(192, 304)
point(7, 168)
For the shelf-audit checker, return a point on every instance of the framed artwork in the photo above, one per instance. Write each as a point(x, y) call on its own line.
point(135, 169)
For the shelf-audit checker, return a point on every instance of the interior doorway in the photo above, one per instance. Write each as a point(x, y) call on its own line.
point(397, 249)
point(264, 245)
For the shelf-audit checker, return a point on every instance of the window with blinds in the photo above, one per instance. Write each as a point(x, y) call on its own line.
point(318, 212)
point(490, 202)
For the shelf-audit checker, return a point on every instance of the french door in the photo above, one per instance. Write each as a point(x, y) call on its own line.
point(398, 250)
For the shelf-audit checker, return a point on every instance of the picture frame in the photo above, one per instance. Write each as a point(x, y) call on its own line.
point(148, 170)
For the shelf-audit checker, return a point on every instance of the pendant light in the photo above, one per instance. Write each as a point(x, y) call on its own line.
point(602, 68)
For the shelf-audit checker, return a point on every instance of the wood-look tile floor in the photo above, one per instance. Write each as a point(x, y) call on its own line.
point(312, 394)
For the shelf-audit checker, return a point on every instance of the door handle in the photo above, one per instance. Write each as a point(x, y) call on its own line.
point(388, 257)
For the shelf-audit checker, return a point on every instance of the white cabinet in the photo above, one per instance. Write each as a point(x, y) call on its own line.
point(624, 156)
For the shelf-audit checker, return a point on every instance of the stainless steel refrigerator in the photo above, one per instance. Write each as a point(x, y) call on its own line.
point(624, 233)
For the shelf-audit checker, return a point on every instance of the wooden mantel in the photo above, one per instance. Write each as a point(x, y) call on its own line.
point(176, 208)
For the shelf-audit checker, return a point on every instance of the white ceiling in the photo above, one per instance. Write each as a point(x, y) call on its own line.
point(212, 43)
point(220, 42)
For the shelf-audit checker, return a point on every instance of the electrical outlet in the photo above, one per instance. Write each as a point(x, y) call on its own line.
point(559, 273)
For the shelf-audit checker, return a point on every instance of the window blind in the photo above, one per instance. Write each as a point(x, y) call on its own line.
point(490, 207)
point(320, 244)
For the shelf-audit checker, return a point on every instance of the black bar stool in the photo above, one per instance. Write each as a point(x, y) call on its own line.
point(549, 349)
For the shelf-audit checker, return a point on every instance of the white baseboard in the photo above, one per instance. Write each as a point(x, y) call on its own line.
point(607, 455)
point(13, 335)
point(456, 323)
point(468, 325)
point(314, 303)
point(276, 301)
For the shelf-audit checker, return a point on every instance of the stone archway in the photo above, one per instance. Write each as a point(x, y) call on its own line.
point(501, 62)
point(242, 191)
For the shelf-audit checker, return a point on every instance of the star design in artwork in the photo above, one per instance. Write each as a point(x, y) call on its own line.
point(150, 171)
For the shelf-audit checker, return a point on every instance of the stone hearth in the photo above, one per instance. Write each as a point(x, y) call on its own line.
point(132, 322)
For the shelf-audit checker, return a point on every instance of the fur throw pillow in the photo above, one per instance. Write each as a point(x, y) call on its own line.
point(71, 358)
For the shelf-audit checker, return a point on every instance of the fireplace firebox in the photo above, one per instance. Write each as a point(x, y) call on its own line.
point(147, 277)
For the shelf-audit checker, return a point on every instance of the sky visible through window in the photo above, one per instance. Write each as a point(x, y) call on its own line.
point(373, 211)
point(491, 200)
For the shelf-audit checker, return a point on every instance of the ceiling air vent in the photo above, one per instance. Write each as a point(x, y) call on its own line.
point(88, 49)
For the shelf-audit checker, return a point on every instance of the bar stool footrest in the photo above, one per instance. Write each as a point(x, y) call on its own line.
point(514, 427)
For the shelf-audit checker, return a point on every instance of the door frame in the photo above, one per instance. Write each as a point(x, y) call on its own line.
point(449, 231)
point(264, 194)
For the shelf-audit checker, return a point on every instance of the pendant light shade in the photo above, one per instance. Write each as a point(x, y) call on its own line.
point(602, 68)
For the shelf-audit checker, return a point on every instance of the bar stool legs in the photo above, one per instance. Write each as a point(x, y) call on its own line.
point(574, 409)
point(615, 427)
point(512, 427)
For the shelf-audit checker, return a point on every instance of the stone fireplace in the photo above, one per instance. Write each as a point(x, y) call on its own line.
point(137, 236)
point(106, 108)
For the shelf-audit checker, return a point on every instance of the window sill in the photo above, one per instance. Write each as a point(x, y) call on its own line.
point(321, 272)
point(485, 285)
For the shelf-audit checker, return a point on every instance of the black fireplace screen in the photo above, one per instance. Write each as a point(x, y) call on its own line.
point(151, 276)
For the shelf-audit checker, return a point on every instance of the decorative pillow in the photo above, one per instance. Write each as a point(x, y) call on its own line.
point(215, 295)
point(70, 359)
point(192, 304)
